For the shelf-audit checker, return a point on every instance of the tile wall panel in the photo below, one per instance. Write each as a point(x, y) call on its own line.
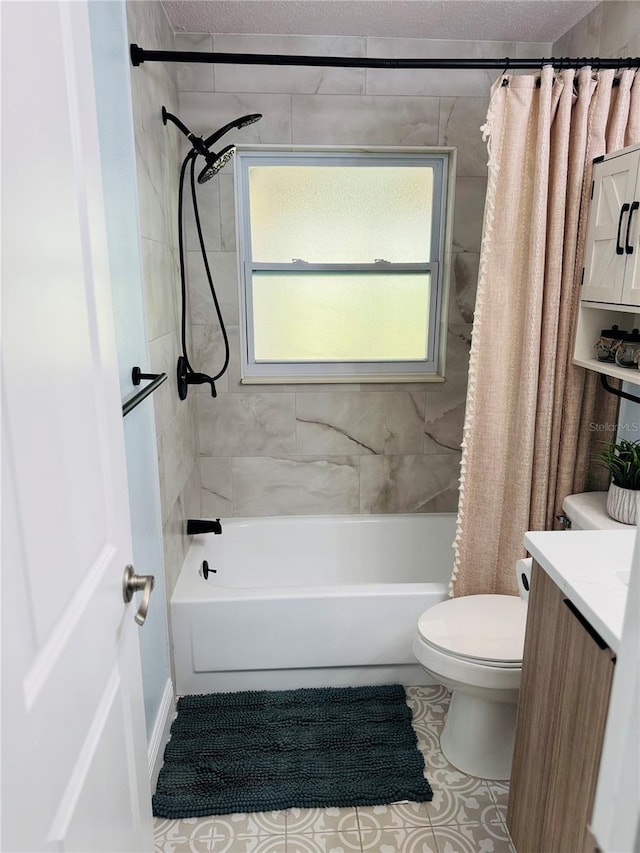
point(290, 449)
point(205, 112)
point(448, 82)
point(365, 120)
point(321, 81)
point(611, 29)
point(194, 77)
point(246, 424)
point(362, 423)
point(267, 486)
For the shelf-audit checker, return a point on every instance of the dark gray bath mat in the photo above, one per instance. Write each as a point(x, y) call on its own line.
point(312, 748)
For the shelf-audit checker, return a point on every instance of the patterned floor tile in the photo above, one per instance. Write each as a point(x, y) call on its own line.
point(472, 838)
point(254, 823)
point(324, 842)
point(500, 792)
point(268, 844)
point(173, 835)
point(306, 821)
point(219, 834)
point(429, 745)
point(459, 799)
point(428, 704)
point(397, 815)
point(403, 840)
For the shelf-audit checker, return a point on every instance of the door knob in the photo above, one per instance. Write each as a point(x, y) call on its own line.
point(135, 583)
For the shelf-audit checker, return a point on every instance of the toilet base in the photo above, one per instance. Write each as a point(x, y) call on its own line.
point(479, 735)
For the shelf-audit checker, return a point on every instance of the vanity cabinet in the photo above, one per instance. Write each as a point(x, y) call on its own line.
point(564, 696)
point(610, 293)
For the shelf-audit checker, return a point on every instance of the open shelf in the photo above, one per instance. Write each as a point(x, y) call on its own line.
point(627, 374)
point(592, 318)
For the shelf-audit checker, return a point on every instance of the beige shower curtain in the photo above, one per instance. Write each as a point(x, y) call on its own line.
point(527, 436)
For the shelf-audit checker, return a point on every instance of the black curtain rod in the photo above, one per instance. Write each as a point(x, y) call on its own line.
point(139, 55)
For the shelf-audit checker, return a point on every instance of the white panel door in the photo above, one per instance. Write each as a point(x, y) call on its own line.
point(74, 757)
point(604, 261)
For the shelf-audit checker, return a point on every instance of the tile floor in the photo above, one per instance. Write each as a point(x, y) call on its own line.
point(466, 815)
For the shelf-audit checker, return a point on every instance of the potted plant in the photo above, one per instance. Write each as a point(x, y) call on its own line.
point(622, 459)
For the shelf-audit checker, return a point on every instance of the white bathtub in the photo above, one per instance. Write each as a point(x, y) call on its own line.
point(308, 601)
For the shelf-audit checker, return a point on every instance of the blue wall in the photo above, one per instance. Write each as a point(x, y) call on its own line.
point(113, 94)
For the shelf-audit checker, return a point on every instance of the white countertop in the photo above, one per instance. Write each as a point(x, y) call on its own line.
point(589, 566)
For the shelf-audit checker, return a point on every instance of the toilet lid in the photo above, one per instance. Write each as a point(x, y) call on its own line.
point(480, 627)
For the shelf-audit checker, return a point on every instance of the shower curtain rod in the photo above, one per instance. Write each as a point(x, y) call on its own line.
point(139, 55)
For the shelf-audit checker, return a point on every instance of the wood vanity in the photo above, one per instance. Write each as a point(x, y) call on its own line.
point(572, 635)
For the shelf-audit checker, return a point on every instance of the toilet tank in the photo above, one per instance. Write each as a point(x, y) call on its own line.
point(588, 511)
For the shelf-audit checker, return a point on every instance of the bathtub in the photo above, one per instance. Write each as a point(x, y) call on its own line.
point(308, 601)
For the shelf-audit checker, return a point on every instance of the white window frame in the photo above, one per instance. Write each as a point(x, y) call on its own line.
point(431, 369)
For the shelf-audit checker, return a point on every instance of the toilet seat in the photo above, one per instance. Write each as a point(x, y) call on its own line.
point(486, 630)
point(454, 671)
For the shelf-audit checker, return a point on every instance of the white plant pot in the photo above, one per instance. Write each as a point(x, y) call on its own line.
point(621, 504)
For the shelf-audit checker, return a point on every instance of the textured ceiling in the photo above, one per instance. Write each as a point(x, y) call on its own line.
point(486, 20)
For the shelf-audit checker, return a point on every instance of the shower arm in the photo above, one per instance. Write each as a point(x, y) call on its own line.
point(197, 142)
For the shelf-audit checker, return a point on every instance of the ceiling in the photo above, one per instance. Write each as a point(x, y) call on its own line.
point(484, 20)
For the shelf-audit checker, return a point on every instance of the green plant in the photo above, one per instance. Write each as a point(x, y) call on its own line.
point(622, 458)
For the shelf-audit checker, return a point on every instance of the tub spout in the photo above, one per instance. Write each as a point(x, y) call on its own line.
point(203, 525)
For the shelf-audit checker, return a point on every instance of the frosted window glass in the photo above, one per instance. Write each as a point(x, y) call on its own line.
point(340, 316)
point(341, 214)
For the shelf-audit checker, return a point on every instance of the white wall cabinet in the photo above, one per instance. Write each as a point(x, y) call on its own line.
point(610, 292)
point(611, 267)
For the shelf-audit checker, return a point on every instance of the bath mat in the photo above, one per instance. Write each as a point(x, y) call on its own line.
point(264, 750)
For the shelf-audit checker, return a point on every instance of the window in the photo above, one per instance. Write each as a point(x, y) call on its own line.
point(342, 264)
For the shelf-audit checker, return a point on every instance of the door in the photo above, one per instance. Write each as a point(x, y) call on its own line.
point(586, 673)
point(75, 774)
point(562, 709)
point(604, 261)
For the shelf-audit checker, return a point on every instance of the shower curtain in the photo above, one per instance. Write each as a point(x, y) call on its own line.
point(528, 435)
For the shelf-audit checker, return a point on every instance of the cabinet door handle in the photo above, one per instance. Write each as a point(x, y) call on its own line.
point(586, 625)
point(623, 210)
point(628, 247)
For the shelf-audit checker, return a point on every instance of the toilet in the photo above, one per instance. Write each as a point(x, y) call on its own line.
point(473, 645)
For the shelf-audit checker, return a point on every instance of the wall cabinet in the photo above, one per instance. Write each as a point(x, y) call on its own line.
point(610, 291)
point(564, 696)
point(612, 247)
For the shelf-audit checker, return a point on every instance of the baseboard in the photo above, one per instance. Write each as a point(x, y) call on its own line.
point(160, 734)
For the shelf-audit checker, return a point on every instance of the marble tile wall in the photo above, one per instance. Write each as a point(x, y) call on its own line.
point(611, 29)
point(158, 163)
point(306, 449)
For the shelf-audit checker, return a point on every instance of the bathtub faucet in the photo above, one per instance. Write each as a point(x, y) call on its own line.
point(203, 525)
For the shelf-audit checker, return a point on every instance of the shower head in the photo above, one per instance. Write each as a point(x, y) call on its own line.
point(237, 123)
point(215, 162)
